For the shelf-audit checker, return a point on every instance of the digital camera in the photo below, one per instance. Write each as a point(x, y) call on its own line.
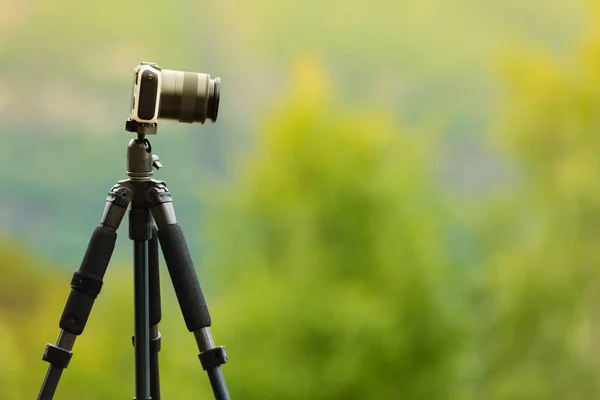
point(173, 95)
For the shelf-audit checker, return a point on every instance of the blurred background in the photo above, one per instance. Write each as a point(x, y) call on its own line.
point(400, 200)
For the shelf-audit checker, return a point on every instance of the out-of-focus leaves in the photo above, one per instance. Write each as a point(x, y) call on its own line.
point(539, 336)
point(332, 255)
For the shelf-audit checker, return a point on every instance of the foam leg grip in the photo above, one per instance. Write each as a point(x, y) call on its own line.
point(154, 280)
point(185, 281)
point(87, 281)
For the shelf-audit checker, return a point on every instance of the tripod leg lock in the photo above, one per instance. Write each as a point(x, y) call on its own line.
point(154, 343)
point(56, 356)
point(212, 358)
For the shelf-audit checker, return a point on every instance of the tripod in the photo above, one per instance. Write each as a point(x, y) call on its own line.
point(151, 203)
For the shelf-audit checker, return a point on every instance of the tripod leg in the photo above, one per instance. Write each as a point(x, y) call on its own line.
point(85, 287)
point(155, 314)
point(140, 231)
point(188, 291)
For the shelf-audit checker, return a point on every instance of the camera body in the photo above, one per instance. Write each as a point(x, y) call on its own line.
point(145, 105)
point(173, 95)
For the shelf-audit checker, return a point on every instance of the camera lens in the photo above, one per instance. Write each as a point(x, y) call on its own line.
point(213, 100)
point(189, 96)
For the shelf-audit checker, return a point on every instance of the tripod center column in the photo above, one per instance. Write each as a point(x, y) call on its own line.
point(140, 230)
point(139, 169)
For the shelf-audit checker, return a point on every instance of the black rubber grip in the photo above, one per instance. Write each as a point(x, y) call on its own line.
point(94, 264)
point(99, 251)
point(185, 281)
point(86, 283)
point(154, 280)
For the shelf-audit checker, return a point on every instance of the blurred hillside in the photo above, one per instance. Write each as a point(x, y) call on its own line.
point(65, 71)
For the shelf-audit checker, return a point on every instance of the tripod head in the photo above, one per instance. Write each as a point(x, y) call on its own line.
point(140, 127)
point(140, 160)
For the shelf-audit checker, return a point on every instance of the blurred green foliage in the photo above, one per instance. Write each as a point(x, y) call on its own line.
point(541, 235)
point(340, 268)
point(65, 83)
point(331, 253)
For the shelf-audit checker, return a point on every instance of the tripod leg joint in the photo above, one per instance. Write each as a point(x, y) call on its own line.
point(212, 358)
point(57, 356)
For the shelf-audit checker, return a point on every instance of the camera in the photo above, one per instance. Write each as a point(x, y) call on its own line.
point(172, 95)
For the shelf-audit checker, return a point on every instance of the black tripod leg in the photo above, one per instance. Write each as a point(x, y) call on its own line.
point(140, 231)
point(155, 314)
point(85, 287)
point(188, 291)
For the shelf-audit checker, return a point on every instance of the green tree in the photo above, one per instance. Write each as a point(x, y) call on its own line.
point(330, 242)
point(539, 336)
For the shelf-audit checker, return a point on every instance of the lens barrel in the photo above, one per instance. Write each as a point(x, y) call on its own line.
point(189, 96)
point(213, 100)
